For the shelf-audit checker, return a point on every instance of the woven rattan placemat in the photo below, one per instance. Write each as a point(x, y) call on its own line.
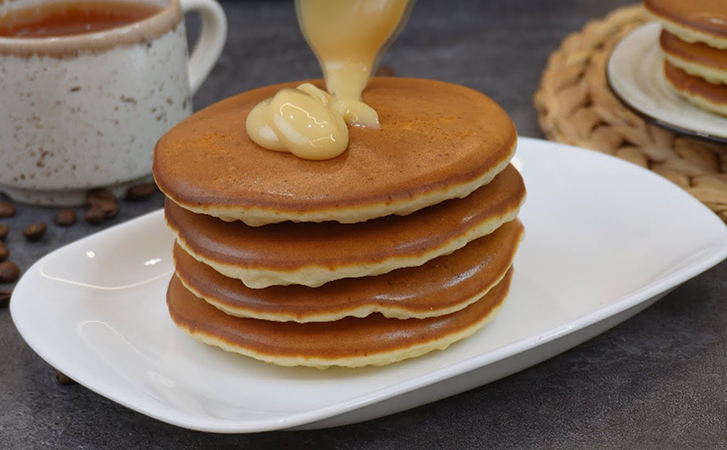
point(576, 106)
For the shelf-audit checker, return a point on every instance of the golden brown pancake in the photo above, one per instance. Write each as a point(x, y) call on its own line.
point(697, 59)
point(438, 141)
point(710, 96)
point(349, 342)
point(312, 254)
point(693, 20)
point(441, 286)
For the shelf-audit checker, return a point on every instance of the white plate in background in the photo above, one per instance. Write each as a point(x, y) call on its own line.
point(604, 239)
point(636, 75)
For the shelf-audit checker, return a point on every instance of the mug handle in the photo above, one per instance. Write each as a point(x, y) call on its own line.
point(211, 39)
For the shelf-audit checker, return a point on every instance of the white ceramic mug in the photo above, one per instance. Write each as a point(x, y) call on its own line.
point(85, 111)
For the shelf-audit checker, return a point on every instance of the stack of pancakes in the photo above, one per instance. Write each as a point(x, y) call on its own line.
point(402, 245)
point(694, 41)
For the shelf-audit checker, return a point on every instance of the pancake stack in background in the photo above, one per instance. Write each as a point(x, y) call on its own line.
point(694, 41)
point(400, 246)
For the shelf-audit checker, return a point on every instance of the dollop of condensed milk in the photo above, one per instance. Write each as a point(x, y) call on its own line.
point(347, 37)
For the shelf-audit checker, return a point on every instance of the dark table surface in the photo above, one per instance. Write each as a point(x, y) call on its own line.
point(658, 380)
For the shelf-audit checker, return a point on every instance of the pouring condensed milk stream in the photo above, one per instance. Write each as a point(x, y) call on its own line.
point(347, 37)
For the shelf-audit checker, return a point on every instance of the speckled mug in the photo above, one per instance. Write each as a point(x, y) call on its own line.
point(84, 111)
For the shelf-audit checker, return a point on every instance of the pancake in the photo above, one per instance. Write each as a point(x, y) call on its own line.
point(438, 141)
point(698, 59)
point(706, 95)
point(349, 342)
point(313, 254)
point(693, 20)
point(441, 286)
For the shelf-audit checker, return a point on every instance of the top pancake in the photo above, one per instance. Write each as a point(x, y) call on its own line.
point(693, 20)
point(438, 141)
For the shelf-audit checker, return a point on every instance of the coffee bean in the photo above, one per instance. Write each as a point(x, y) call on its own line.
point(95, 215)
point(96, 195)
point(64, 379)
point(104, 200)
point(4, 229)
point(35, 232)
point(9, 272)
point(384, 71)
point(109, 206)
point(141, 191)
point(7, 209)
point(101, 210)
point(5, 298)
point(65, 217)
point(4, 252)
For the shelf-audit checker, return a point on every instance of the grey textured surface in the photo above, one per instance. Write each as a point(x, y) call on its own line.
point(658, 381)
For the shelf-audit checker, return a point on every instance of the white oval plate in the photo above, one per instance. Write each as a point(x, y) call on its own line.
point(604, 239)
point(636, 75)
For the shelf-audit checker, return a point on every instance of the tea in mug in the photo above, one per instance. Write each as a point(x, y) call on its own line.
point(71, 18)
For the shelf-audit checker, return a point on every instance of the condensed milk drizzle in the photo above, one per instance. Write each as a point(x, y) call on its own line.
point(347, 37)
